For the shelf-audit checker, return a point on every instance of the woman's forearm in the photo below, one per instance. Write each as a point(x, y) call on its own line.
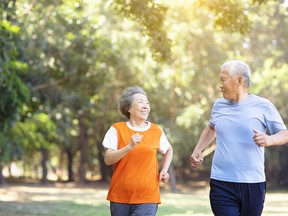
point(167, 159)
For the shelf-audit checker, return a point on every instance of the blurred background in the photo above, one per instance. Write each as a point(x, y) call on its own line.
point(64, 63)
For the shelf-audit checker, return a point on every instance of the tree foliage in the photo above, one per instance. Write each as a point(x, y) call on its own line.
point(13, 90)
point(76, 57)
point(151, 16)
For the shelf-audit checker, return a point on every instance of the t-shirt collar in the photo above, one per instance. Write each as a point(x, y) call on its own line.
point(139, 129)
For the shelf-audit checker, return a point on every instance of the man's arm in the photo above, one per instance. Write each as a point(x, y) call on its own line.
point(207, 137)
point(263, 140)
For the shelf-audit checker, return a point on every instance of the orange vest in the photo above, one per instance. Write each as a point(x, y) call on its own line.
point(135, 177)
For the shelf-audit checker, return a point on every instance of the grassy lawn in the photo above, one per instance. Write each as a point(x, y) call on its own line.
point(71, 200)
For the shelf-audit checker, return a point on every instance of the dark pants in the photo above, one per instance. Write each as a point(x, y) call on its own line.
point(237, 199)
point(123, 209)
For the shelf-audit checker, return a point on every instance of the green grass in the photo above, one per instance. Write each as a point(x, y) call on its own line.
point(69, 200)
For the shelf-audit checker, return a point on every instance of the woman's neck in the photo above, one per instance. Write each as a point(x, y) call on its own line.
point(138, 124)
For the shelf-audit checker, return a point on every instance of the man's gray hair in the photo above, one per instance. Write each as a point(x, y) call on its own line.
point(126, 99)
point(237, 67)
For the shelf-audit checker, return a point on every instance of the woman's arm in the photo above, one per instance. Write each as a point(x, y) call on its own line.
point(112, 156)
point(166, 161)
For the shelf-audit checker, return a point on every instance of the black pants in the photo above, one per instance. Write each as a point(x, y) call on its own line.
point(123, 209)
point(237, 199)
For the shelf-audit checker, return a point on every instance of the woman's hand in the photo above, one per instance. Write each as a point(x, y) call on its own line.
point(135, 139)
point(113, 156)
point(164, 176)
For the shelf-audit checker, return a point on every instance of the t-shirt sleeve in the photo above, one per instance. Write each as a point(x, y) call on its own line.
point(111, 139)
point(164, 143)
point(211, 121)
point(273, 119)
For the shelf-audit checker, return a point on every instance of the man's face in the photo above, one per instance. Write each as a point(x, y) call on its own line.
point(229, 85)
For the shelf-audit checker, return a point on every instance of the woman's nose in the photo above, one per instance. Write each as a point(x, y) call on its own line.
point(146, 106)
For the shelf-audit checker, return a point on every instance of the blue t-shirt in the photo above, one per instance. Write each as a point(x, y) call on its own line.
point(237, 158)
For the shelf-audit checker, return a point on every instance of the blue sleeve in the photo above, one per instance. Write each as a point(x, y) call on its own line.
point(212, 121)
point(273, 120)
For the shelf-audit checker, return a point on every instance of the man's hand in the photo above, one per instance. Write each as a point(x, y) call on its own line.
point(196, 159)
point(261, 139)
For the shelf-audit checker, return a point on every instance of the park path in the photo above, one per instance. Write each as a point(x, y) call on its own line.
point(173, 204)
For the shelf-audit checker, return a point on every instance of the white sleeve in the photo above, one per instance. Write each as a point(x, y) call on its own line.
point(111, 139)
point(164, 143)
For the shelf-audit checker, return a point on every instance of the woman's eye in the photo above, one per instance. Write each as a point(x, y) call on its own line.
point(144, 102)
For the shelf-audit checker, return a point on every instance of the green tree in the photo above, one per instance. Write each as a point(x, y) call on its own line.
point(82, 54)
point(37, 134)
point(14, 92)
point(151, 16)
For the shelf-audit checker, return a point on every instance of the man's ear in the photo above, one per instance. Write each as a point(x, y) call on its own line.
point(240, 81)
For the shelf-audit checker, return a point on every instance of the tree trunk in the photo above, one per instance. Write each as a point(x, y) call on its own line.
point(83, 150)
point(106, 171)
point(70, 164)
point(44, 159)
point(172, 178)
point(172, 111)
point(2, 179)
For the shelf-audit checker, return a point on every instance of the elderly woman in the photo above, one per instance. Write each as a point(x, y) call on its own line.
point(132, 147)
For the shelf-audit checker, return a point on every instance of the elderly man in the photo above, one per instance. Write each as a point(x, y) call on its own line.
point(239, 122)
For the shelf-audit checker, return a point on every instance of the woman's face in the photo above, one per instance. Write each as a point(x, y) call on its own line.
point(140, 107)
